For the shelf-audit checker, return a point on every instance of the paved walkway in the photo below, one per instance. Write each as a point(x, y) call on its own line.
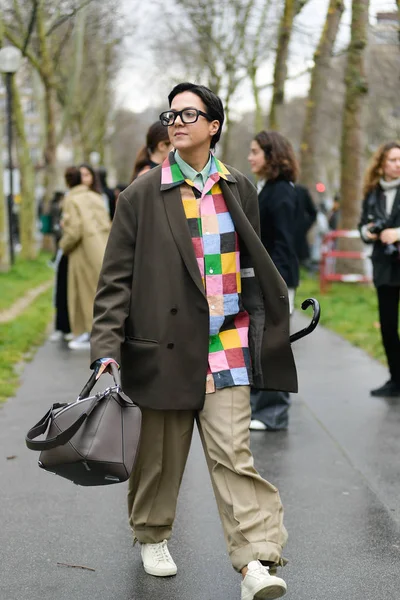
point(337, 470)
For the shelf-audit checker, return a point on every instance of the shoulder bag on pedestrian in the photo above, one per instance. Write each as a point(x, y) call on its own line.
point(92, 441)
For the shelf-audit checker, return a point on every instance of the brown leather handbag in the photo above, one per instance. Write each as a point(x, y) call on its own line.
point(92, 441)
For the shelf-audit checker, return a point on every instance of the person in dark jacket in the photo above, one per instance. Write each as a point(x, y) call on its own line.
point(273, 161)
point(107, 191)
point(380, 226)
point(154, 152)
point(307, 215)
point(193, 309)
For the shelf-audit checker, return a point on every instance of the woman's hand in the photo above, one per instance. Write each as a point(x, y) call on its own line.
point(371, 236)
point(103, 365)
point(389, 236)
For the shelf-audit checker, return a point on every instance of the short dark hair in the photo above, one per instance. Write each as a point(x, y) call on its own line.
point(212, 102)
point(279, 154)
point(72, 177)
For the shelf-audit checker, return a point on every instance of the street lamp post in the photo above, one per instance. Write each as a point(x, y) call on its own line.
point(10, 58)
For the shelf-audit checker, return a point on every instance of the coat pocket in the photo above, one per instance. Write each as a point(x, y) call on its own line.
point(140, 361)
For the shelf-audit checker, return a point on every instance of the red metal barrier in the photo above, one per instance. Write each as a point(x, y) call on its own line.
point(329, 253)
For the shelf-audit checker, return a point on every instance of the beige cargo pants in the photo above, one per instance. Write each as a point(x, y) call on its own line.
point(249, 507)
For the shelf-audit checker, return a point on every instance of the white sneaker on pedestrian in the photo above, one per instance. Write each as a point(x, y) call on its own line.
point(56, 336)
point(68, 337)
point(259, 584)
point(256, 425)
point(157, 560)
point(82, 342)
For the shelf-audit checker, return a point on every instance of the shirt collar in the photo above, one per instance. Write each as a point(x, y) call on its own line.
point(172, 174)
point(191, 173)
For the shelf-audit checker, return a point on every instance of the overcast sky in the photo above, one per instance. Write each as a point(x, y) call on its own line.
point(137, 89)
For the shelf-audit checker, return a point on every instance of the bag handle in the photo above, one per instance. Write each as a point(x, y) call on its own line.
point(89, 385)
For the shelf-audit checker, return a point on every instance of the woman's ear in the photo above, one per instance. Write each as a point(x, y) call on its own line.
point(215, 125)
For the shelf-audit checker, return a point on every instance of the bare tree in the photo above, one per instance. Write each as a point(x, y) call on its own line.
point(30, 32)
point(257, 48)
point(291, 9)
point(27, 216)
point(352, 147)
point(217, 35)
point(51, 37)
point(4, 250)
point(317, 94)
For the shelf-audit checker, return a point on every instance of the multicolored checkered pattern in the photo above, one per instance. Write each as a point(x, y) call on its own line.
point(216, 246)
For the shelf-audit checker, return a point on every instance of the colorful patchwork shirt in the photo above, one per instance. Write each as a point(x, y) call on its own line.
point(216, 246)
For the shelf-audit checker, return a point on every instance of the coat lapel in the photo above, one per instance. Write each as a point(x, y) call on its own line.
point(181, 234)
point(396, 206)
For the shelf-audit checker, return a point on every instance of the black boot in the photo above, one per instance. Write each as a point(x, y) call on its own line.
point(389, 389)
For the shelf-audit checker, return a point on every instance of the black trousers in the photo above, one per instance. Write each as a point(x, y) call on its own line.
point(388, 300)
point(61, 317)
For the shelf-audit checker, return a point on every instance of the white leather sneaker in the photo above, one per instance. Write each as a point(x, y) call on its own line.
point(82, 342)
point(256, 425)
point(259, 584)
point(157, 560)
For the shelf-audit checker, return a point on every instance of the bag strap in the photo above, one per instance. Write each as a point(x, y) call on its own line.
point(63, 437)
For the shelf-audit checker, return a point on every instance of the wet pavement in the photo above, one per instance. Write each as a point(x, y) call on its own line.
point(337, 469)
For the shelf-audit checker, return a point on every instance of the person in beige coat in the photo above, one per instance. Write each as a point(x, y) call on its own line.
point(86, 226)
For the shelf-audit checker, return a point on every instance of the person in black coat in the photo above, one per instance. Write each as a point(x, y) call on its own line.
point(307, 215)
point(380, 226)
point(273, 161)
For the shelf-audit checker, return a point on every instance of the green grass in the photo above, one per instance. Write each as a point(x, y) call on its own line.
point(19, 339)
point(348, 309)
point(23, 276)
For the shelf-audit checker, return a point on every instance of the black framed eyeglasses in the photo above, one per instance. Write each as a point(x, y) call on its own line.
point(187, 115)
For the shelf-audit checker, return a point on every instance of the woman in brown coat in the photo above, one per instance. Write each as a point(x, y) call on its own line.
point(86, 226)
point(191, 307)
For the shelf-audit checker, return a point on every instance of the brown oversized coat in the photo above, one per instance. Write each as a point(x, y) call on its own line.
point(151, 313)
point(86, 226)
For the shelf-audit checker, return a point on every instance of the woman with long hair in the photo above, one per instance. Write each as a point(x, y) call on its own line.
point(86, 225)
point(154, 152)
point(90, 178)
point(273, 162)
point(380, 226)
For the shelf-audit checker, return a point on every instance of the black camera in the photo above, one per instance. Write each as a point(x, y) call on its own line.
point(390, 249)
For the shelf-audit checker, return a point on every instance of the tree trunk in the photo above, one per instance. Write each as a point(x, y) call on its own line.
point(352, 128)
point(258, 117)
point(291, 9)
point(352, 150)
point(4, 249)
point(47, 76)
point(50, 151)
point(322, 61)
point(29, 247)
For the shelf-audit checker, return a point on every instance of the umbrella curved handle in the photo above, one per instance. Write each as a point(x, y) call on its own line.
point(314, 321)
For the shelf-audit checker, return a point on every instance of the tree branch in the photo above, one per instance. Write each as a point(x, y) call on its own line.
point(31, 26)
point(64, 18)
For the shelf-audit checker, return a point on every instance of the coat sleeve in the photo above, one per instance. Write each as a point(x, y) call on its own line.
point(283, 209)
point(251, 209)
point(365, 220)
point(309, 209)
point(112, 301)
point(72, 227)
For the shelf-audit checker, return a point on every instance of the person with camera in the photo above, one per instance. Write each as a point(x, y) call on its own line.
point(380, 226)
